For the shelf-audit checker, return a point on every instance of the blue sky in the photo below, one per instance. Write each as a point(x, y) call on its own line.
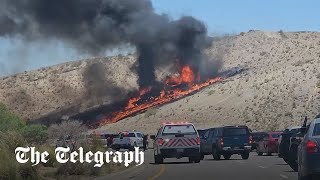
point(221, 17)
point(234, 16)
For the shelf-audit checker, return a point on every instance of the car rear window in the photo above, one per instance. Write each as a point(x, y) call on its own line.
point(178, 129)
point(128, 135)
point(235, 131)
point(258, 136)
point(316, 130)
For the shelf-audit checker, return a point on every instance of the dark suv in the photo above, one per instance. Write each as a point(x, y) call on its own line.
point(227, 141)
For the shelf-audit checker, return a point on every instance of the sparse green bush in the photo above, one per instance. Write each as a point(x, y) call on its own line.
point(70, 168)
point(9, 167)
point(51, 158)
point(35, 134)
point(288, 114)
point(211, 92)
point(8, 120)
point(282, 34)
point(318, 84)
point(151, 112)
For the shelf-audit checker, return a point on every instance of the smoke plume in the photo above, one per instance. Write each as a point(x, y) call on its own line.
point(93, 26)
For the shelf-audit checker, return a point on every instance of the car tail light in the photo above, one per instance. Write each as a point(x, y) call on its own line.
point(198, 141)
point(250, 139)
point(221, 141)
point(160, 141)
point(311, 147)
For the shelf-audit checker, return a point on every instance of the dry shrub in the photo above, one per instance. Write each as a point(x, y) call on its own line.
point(9, 167)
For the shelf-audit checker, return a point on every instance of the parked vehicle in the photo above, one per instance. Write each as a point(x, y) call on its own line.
point(284, 141)
point(227, 141)
point(268, 144)
point(201, 132)
point(290, 142)
point(176, 140)
point(309, 152)
point(256, 137)
point(128, 140)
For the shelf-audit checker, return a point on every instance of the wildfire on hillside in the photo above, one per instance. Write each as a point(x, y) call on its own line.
point(174, 87)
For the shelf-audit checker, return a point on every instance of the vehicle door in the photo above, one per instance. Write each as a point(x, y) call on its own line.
point(212, 139)
point(139, 139)
point(265, 142)
point(205, 142)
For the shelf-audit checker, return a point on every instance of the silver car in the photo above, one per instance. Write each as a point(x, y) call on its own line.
point(309, 153)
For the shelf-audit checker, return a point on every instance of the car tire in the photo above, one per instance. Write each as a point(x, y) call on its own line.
point(227, 156)
point(216, 155)
point(191, 159)
point(197, 160)
point(202, 156)
point(158, 159)
point(259, 153)
point(245, 155)
point(269, 154)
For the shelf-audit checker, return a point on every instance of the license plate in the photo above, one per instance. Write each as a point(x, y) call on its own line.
point(179, 150)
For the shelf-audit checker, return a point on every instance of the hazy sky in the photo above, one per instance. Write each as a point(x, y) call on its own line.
point(227, 16)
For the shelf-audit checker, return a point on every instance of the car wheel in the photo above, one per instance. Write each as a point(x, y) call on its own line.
point(227, 156)
point(269, 154)
point(216, 155)
point(245, 155)
point(259, 153)
point(202, 156)
point(158, 159)
point(191, 159)
point(197, 160)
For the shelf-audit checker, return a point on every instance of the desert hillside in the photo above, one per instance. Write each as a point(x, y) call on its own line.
point(72, 87)
point(281, 85)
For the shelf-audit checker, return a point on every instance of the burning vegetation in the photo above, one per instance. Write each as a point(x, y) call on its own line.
point(93, 26)
point(173, 88)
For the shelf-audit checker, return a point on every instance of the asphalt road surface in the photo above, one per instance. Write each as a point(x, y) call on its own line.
point(255, 168)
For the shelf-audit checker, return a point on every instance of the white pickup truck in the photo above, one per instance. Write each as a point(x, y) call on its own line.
point(128, 140)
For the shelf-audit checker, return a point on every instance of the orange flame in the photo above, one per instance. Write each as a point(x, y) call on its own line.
point(187, 76)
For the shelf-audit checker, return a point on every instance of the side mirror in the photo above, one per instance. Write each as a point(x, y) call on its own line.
point(153, 137)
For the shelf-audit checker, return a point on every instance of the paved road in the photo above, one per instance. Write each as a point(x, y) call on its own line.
point(255, 168)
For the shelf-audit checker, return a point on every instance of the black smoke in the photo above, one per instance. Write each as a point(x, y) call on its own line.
point(93, 26)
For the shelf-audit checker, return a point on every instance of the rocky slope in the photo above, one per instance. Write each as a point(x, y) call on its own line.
point(281, 85)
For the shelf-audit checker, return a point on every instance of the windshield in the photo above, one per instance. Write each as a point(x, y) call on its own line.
point(235, 131)
point(316, 130)
point(179, 129)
